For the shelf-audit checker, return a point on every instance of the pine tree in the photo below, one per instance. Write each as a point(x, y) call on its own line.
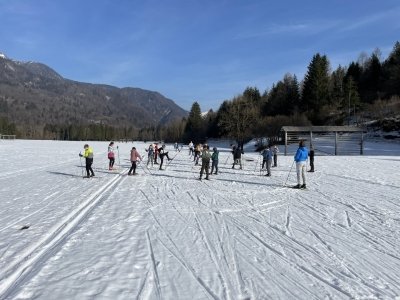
point(194, 129)
point(316, 84)
point(352, 99)
point(391, 72)
point(337, 87)
point(370, 81)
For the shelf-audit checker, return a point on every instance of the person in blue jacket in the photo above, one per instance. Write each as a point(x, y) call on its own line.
point(300, 158)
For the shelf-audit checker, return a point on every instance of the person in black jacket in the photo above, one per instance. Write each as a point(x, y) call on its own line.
point(237, 157)
point(311, 155)
point(162, 153)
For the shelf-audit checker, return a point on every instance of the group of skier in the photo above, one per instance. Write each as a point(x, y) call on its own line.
point(202, 152)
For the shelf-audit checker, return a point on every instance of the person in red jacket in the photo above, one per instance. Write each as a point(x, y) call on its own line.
point(134, 157)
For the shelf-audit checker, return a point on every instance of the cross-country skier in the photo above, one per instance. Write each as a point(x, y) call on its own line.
point(300, 158)
point(191, 148)
point(214, 161)
point(88, 155)
point(197, 152)
point(267, 160)
point(205, 161)
point(111, 156)
point(155, 153)
point(162, 153)
point(237, 157)
point(134, 158)
point(311, 155)
point(275, 151)
point(150, 154)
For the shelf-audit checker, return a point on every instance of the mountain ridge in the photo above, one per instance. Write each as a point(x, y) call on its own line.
point(33, 95)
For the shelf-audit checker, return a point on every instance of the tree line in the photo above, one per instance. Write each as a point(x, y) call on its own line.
point(344, 96)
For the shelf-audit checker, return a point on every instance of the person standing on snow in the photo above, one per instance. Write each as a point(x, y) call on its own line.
point(150, 154)
point(300, 158)
point(88, 155)
point(191, 145)
point(197, 152)
point(267, 160)
point(275, 151)
point(237, 157)
point(311, 155)
point(205, 161)
point(111, 156)
point(214, 161)
point(162, 154)
point(155, 153)
point(134, 158)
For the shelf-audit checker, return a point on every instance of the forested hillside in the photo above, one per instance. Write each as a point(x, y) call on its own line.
point(366, 89)
point(36, 102)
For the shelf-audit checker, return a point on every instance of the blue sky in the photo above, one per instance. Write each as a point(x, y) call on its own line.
point(205, 50)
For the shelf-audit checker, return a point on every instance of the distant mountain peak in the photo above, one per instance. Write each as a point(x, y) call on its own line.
point(2, 55)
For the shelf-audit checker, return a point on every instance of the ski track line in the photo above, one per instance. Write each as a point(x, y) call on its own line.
point(287, 224)
point(348, 219)
point(142, 286)
point(189, 269)
point(154, 266)
point(211, 251)
point(235, 261)
point(21, 267)
point(262, 274)
point(180, 258)
point(241, 227)
point(294, 265)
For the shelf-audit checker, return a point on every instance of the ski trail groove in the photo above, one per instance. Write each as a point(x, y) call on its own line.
point(154, 266)
point(287, 260)
point(179, 257)
point(190, 270)
point(211, 251)
point(22, 266)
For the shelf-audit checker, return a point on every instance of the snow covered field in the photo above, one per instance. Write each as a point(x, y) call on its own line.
point(166, 235)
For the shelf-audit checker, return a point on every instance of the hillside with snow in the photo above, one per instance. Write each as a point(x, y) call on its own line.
point(163, 234)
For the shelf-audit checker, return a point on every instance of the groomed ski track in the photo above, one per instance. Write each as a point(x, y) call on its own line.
point(166, 235)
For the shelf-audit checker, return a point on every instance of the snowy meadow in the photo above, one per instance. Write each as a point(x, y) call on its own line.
point(163, 234)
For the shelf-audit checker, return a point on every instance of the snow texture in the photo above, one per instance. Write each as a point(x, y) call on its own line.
point(166, 235)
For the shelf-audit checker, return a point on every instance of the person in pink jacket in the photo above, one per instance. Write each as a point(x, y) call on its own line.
point(134, 157)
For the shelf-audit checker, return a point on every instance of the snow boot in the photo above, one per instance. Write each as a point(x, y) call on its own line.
point(303, 186)
point(298, 186)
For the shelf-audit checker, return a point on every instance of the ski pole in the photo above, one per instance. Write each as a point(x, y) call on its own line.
point(258, 159)
point(289, 174)
point(119, 162)
point(80, 159)
point(226, 161)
